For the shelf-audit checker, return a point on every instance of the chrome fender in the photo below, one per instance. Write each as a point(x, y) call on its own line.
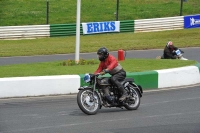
point(139, 88)
point(84, 87)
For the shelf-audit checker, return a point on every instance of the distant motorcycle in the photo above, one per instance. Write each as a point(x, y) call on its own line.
point(177, 53)
point(91, 98)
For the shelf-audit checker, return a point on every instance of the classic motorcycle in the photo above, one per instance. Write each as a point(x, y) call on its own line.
point(91, 98)
point(178, 53)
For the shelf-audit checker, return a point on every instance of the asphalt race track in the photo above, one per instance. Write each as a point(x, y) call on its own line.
point(167, 111)
point(172, 111)
point(190, 53)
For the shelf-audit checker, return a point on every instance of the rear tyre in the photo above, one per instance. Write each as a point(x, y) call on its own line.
point(133, 102)
point(88, 102)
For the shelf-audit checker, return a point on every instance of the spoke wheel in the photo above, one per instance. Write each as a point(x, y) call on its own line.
point(88, 102)
point(133, 101)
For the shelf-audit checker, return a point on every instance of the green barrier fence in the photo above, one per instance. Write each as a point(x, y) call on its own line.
point(127, 26)
point(148, 80)
point(198, 65)
point(63, 30)
point(57, 30)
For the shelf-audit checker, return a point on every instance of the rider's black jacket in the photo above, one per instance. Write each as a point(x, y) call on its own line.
point(169, 52)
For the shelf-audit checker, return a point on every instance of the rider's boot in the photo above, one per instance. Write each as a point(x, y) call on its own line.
point(124, 94)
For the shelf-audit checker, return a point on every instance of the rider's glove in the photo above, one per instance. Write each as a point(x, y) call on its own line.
point(104, 71)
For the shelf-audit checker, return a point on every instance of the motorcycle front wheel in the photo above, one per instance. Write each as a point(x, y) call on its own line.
point(134, 100)
point(88, 102)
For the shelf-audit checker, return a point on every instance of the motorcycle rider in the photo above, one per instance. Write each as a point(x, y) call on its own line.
point(169, 51)
point(109, 64)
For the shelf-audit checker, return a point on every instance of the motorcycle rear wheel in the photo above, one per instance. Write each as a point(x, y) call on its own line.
point(135, 96)
point(88, 102)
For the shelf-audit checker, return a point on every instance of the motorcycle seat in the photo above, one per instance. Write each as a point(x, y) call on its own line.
point(127, 80)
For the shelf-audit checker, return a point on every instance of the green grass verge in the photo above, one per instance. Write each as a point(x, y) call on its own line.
point(29, 12)
point(125, 41)
point(56, 68)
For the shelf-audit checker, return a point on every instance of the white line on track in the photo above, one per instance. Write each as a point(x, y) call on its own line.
point(172, 88)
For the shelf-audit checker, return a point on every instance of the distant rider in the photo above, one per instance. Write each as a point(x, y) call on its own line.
point(109, 64)
point(169, 51)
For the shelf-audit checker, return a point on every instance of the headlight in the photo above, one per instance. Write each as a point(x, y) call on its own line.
point(86, 78)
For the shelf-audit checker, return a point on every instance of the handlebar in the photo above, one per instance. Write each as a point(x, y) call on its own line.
point(95, 75)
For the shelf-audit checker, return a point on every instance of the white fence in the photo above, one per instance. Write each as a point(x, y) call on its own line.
point(142, 25)
point(159, 24)
point(32, 31)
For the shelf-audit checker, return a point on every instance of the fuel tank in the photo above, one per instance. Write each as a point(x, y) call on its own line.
point(104, 81)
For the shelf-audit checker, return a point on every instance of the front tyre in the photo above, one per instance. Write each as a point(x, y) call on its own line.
point(88, 102)
point(133, 102)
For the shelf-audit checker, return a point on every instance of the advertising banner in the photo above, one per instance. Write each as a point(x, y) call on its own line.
point(101, 27)
point(192, 21)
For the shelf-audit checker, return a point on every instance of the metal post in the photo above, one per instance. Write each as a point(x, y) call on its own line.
point(47, 16)
point(181, 8)
point(78, 31)
point(117, 12)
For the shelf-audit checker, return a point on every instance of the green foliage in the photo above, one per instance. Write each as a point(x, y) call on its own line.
point(33, 12)
point(80, 62)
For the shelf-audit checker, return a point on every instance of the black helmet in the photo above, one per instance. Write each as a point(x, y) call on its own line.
point(103, 53)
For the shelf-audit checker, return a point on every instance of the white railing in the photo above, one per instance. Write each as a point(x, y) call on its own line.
point(159, 24)
point(32, 31)
point(142, 25)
